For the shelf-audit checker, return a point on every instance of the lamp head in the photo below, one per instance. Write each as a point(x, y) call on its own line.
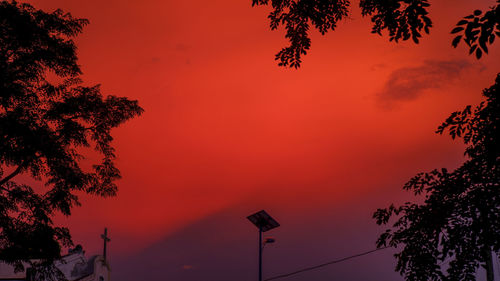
point(269, 240)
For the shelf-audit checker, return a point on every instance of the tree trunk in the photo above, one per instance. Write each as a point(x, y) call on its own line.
point(490, 276)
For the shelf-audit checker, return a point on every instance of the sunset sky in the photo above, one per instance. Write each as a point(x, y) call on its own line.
point(226, 133)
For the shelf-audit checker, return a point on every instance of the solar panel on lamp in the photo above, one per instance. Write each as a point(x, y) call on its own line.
point(263, 221)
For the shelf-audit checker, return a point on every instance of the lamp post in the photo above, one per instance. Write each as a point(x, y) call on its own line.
point(264, 222)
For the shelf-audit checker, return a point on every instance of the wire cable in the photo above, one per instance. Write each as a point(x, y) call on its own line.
point(324, 264)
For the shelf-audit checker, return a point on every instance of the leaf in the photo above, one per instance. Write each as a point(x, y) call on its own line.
point(457, 29)
point(455, 41)
point(482, 44)
point(415, 39)
point(462, 22)
point(479, 53)
point(472, 49)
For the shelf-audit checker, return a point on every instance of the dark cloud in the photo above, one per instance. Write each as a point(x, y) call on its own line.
point(408, 83)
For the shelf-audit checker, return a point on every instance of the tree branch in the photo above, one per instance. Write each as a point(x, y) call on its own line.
point(13, 174)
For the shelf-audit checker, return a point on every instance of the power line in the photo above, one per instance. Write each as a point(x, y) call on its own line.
point(324, 264)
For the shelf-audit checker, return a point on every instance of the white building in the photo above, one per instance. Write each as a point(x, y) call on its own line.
point(75, 267)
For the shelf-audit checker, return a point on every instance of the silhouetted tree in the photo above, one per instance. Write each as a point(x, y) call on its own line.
point(457, 224)
point(47, 118)
point(403, 19)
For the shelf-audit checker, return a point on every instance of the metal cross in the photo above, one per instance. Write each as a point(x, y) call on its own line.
point(106, 240)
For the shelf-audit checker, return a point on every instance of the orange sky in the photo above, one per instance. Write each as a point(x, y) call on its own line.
point(224, 127)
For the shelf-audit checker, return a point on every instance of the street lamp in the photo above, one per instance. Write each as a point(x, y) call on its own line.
point(264, 222)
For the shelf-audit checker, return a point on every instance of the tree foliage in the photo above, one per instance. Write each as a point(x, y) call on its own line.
point(47, 118)
point(402, 19)
point(458, 222)
point(478, 30)
point(297, 17)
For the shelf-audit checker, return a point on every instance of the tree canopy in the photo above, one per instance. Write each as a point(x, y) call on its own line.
point(402, 19)
point(457, 225)
point(47, 119)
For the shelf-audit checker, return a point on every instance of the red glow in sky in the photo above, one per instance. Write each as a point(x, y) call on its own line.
point(227, 132)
